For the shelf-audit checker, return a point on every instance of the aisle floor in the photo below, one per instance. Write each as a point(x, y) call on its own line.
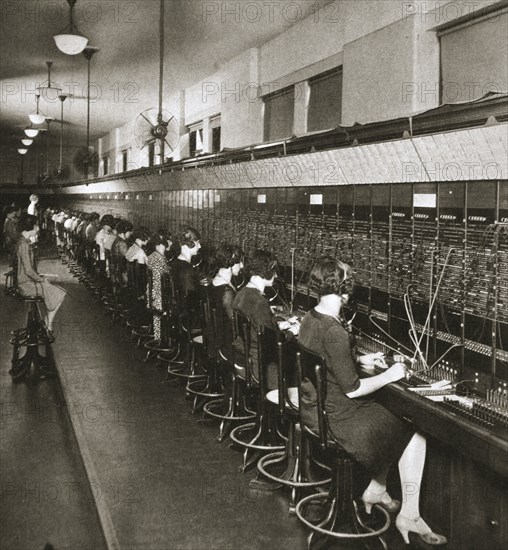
point(161, 480)
point(45, 495)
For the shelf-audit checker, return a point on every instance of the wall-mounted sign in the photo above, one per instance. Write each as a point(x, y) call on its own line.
point(425, 200)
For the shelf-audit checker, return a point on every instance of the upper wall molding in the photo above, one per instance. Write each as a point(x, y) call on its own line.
point(476, 154)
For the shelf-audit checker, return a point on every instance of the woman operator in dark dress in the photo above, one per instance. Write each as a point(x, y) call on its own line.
point(365, 429)
point(227, 262)
point(252, 302)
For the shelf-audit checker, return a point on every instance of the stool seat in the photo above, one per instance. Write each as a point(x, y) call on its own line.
point(273, 397)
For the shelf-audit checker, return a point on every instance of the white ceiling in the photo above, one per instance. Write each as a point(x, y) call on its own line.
point(200, 35)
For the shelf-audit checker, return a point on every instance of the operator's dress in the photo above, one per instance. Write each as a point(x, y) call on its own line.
point(158, 265)
point(30, 283)
point(367, 431)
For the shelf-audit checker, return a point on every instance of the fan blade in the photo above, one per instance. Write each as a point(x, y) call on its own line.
point(143, 115)
point(154, 117)
point(149, 139)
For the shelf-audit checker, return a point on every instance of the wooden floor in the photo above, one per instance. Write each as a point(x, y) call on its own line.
point(142, 473)
point(110, 455)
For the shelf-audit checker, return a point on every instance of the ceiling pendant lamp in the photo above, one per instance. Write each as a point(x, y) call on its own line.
point(31, 132)
point(37, 118)
point(71, 43)
point(22, 151)
point(27, 142)
point(45, 88)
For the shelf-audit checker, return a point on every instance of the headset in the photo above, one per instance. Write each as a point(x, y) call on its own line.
point(347, 285)
point(188, 237)
point(236, 257)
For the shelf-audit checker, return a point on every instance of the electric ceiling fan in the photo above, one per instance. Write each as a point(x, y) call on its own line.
point(156, 125)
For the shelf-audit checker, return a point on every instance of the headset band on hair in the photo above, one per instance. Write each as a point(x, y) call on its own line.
point(346, 287)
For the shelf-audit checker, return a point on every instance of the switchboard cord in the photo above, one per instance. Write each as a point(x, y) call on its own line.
point(444, 355)
point(389, 335)
point(426, 325)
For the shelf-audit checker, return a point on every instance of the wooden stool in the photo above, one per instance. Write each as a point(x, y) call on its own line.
point(334, 516)
point(262, 435)
point(33, 336)
point(210, 387)
point(297, 466)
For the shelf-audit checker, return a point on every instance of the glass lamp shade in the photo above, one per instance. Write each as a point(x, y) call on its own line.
point(31, 132)
point(27, 142)
point(22, 151)
point(71, 44)
point(37, 118)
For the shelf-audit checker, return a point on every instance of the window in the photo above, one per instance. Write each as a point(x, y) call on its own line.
point(105, 165)
point(216, 139)
point(279, 114)
point(195, 141)
point(215, 134)
point(325, 101)
point(125, 160)
point(474, 58)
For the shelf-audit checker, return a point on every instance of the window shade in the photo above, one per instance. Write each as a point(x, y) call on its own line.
point(474, 60)
point(279, 115)
point(325, 102)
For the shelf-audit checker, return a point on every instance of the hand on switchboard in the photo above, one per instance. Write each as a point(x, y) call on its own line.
point(396, 372)
point(292, 325)
point(373, 360)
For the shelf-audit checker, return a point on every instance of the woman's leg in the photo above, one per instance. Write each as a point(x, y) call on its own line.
point(50, 316)
point(377, 484)
point(411, 465)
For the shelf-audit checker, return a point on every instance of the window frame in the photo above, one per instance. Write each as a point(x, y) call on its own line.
point(268, 97)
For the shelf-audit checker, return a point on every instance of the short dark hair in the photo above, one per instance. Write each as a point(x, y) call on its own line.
point(160, 237)
point(107, 219)
point(123, 226)
point(227, 256)
point(262, 264)
point(27, 222)
point(142, 233)
point(187, 237)
point(330, 276)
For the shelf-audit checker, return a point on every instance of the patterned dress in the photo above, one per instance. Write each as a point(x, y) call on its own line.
point(158, 265)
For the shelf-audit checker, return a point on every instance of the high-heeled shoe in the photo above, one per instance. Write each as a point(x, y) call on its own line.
point(384, 499)
point(421, 529)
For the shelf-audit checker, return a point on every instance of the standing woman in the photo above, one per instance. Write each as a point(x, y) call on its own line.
point(30, 283)
point(33, 209)
point(366, 430)
point(158, 264)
